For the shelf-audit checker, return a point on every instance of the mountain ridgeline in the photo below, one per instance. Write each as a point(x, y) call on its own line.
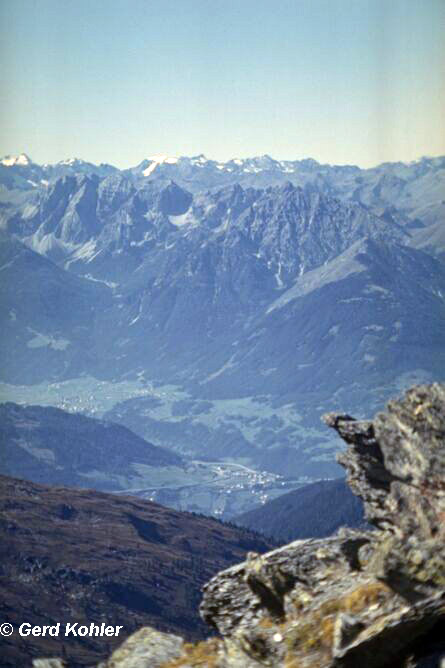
point(313, 511)
point(48, 445)
point(222, 307)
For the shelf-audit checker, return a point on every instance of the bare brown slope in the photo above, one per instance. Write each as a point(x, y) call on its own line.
point(83, 556)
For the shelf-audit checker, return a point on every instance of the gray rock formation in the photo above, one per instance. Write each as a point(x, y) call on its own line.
point(146, 649)
point(365, 599)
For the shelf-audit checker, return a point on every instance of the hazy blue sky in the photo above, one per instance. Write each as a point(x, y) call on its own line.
point(341, 81)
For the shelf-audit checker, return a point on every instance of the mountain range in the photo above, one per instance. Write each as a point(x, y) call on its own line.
point(217, 309)
point(415, 189)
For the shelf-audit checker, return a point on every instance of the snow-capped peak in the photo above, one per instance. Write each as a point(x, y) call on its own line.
point(198, 159)
point(157, 160)
point(21, 160)
point(70, 162)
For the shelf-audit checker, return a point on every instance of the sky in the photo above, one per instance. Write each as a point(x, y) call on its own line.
point(341, 81)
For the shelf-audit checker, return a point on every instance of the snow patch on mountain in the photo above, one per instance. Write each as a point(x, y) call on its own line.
point(21, 160)
point(70, 162)
point(183, 219)
point(199, 160)
point(157, 160)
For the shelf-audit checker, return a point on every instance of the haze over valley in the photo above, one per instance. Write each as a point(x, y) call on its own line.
point(215, 310)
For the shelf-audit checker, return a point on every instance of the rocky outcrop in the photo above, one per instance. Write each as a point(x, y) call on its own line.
point(147, 647)
point(368, 599)
point(359, 599)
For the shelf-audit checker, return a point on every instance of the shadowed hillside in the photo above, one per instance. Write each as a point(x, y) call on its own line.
point(82, 556)
point(49, 445)
point(313, 511)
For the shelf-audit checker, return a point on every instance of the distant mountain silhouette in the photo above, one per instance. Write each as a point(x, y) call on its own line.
point(49, 445)
point(313, 511)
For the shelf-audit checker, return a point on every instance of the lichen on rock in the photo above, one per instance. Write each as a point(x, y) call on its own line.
point(361, 598)
point(147, 648)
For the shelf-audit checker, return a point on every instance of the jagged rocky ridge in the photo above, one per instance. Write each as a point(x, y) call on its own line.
point(374, 599)
point(219, 281)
